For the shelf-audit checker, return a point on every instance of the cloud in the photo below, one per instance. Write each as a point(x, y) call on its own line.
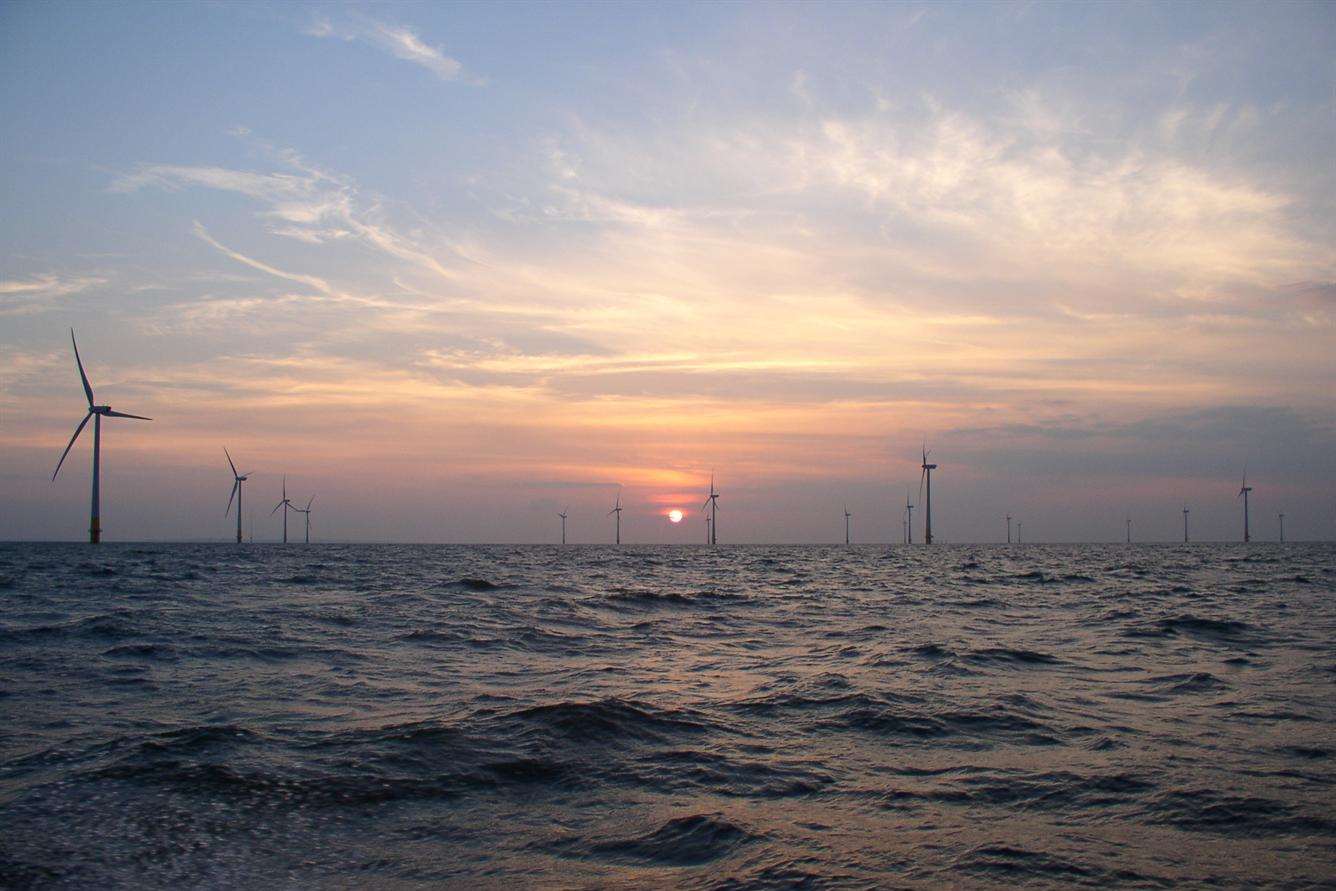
point(41, 293)
point(400, 41)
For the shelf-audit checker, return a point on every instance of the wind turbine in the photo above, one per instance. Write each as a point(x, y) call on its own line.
point(707, 528)
point(96, 412)
point(927, 476)
point(1008, 528)
point(286, 504)
point(617, 509)
point(563, 523)
point(307, 511)
point(712, 502)
point(847, 515)
point(1185, 524)
point(1281, 517)
point(1019, 524)
point(1129, 529)
point(1243, 493)
point(238, 479)
point(909, 519)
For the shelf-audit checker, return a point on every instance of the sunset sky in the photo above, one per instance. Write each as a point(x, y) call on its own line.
point(455, 267)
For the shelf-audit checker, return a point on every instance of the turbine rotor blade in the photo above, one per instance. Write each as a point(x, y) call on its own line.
point(77, 431)
point(235, 485)
point(310, 502)
point(120, 414)
point(229, 461)
point(276, 507)
point(88, 390)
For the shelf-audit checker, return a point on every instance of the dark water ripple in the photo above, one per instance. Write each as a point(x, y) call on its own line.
point(751, 717)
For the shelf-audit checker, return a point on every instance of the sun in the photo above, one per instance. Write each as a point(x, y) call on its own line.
point(674, 516)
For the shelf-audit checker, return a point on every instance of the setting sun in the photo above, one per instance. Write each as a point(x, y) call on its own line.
point(674, 516)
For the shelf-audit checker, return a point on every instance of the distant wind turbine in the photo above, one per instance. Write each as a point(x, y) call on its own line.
point(237, 480)
point(307, 511)
point(927, 476)
point(909, 519)
point(847, 515)
point(96, 412)
point(563, 523)
point(1129, 529)
point(1185, 524)
point(707, 528)
point(1019, 524)
point(1008, 528)
point(617, 509)
point(286, 504)
point(1281, 517)
point(1243, 493)
point(712, 502)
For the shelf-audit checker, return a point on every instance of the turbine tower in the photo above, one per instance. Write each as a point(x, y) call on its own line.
point(617, 509)
point(707, 528)
point(1129, 529)
point(1019, 524)
point(307, 511)
point(96, 412)
point(1243, 493)
point(909, 519)
point(927, 476)
point(563, 523)
point(286, 504)
point(1185, 524)
point(1008, 528)
point(847, 515)
point(712, 502)
point(1281, 517)
point(237, 480)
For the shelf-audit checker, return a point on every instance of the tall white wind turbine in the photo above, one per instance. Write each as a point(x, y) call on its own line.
point(306, 511)
point(237, 480)
point(97, 413)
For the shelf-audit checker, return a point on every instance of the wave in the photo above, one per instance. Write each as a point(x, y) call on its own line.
point(684, 841)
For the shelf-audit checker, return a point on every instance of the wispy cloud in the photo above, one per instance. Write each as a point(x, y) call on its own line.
point(41, 292)
point(400, 41)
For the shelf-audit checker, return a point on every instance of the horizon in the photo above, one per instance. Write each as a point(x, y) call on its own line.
point(454, 268)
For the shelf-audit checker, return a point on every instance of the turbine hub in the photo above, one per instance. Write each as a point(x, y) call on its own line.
point(100, 409)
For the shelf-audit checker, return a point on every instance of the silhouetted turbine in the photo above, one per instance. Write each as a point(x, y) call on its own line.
point(287, 506)
point(97, 413)
point(563, 523)
point(926, 475)
point(617, 509)
point(237, 480)
point(1243, 493)
point(712, 502)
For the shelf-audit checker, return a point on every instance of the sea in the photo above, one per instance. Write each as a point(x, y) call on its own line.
point(385, 716)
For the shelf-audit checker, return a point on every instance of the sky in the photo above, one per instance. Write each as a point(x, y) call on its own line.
point(454, 268)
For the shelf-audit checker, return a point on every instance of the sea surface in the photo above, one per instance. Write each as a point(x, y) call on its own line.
point(354, 716)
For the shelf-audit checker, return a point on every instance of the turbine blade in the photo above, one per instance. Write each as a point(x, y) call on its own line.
point(121, 414)
point(229, 462)
point(235, 485)
point(276, 507)
point(88, 390)
point(310, 502)
point(77, 431)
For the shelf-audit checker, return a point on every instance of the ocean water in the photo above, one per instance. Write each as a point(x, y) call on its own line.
point(686, 717)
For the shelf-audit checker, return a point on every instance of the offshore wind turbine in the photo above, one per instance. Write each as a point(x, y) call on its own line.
point(1243, 493)
point(1019, 524)
point(1008, 528)
point(563, 523)
point(712, 502)
point(237, 480)
point(926, 475)
point(617, 509)
point(96, 412)
point(707, 528)
point(286, 504)
point(1129, 529)
point(307, 511)
point(1185, 524)
point(909, 519)
point(847, 515)
point(1281, 517)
